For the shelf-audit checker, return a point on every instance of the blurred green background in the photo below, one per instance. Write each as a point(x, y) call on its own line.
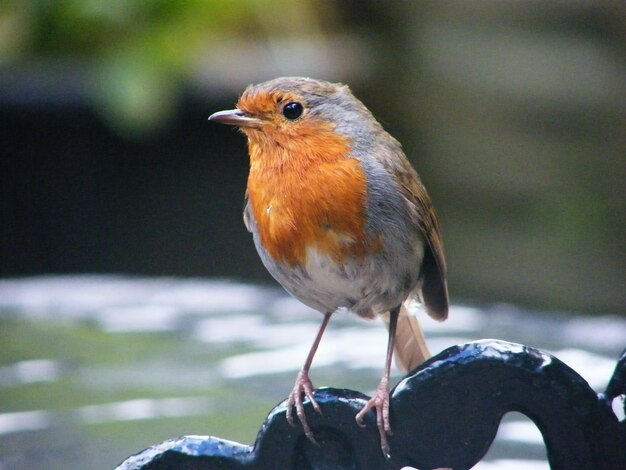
point(512, 112)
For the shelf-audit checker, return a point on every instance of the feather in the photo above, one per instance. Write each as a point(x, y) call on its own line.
point(410, 345)
point(434, 292)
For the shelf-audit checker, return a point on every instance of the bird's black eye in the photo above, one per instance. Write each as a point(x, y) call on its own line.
point(293, 110)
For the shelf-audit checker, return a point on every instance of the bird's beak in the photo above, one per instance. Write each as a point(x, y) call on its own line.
point(234, 117)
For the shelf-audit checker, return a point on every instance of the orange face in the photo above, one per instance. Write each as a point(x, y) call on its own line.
point(306, 191)
point(299, 142)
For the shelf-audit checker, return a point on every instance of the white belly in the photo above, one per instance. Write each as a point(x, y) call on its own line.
point(367, 286)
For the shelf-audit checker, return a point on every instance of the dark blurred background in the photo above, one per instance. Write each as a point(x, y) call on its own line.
point(513, 113)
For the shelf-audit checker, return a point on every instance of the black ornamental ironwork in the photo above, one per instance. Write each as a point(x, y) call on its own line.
point(445, 413)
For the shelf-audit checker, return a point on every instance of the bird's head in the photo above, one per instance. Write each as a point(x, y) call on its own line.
point(293, 117)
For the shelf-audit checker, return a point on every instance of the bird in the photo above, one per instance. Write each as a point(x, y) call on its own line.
point(341, 220)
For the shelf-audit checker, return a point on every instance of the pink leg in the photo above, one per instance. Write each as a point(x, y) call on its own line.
point(303, 386)
point(380, 400)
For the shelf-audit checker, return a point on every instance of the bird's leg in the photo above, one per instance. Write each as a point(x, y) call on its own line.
point(380, 400)
point(304, 386)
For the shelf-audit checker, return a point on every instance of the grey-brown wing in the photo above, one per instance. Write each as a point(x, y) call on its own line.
point(434, 293)
point(246, 212)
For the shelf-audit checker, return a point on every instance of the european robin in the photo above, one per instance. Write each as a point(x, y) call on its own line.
point(341, 219)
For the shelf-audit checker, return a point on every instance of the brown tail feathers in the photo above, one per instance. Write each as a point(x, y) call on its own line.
point(410, 347)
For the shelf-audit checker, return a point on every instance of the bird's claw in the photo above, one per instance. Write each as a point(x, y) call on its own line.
point(380, 402)
point(303, 386)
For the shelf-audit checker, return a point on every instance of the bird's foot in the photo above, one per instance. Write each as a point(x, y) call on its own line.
point(303, 386)
point(380, 401)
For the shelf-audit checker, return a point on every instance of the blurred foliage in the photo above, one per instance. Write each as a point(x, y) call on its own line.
point(137, 53)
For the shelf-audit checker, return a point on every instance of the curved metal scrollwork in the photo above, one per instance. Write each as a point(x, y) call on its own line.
point(445, 413)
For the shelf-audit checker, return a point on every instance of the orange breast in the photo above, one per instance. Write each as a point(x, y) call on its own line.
point(308, 194)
